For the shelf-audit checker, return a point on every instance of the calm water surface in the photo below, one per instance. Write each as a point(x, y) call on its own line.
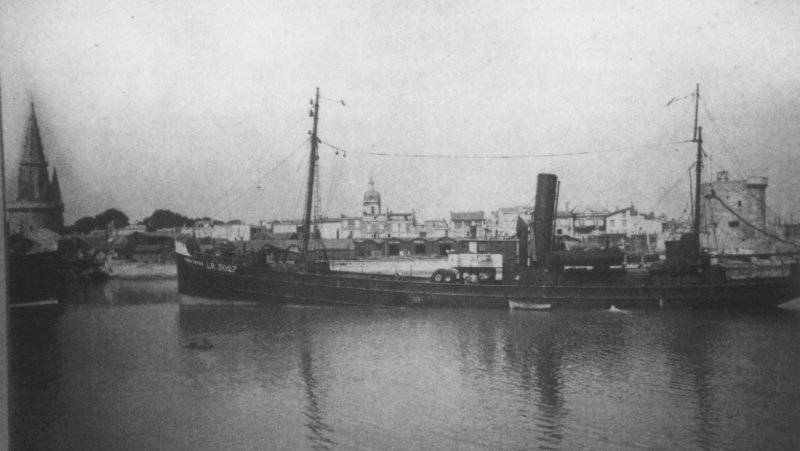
point(114, 372)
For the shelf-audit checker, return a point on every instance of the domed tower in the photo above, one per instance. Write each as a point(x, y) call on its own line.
point(372, 200)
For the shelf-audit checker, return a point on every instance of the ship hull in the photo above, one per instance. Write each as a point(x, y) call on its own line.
point(35, 284)
point(221, 281)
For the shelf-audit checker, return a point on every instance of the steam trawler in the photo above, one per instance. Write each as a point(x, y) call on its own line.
point(554, 279)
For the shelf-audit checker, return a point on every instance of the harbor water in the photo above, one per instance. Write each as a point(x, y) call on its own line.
point(126, 367)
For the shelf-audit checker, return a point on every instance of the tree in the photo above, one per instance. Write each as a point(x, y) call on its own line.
point(100, 222)
point(85, 225)
point(166, 219)
point(112, 215)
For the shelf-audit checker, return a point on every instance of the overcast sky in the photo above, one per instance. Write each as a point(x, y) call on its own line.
point(202, 107)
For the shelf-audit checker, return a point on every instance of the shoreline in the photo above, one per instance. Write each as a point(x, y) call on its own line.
point(130, 270)
point(418, 267)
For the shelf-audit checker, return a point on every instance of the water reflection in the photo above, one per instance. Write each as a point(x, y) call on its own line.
point(34, 371)
point(319, 431)
point(120, 292)
point(279, 336)
point(533, 353)
point(692, 372)
point(114, 369)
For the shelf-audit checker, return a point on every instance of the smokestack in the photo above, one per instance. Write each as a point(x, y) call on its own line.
point(543, 211)
point(522, 236)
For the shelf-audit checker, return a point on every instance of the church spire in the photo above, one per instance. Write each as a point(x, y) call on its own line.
point(32, 150)
point(34, 182)
point(39, 201)
point(54, 195)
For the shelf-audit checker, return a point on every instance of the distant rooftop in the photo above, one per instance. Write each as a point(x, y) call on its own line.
point(466, 215)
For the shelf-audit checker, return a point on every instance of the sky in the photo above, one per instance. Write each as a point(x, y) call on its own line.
point(202, 107)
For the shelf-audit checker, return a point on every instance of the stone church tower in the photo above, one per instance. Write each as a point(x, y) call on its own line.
point(38, 201)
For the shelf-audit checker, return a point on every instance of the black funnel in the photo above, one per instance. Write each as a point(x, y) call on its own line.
point(543, 214)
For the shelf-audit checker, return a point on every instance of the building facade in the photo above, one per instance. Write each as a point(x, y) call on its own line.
point(375, 223)
point(434, 228)
point(565, 223)
point(630, 222)
point(589, 221)
point(208, 229)
point(468, 224)
point(505, 220)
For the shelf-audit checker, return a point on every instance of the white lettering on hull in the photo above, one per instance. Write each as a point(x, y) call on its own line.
point(213, 265)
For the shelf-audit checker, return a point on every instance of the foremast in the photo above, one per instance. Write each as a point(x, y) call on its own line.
point(697, 138)
point(312, 164)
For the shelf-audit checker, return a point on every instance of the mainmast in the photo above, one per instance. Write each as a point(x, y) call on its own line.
point(312, 164)
point(698, 138)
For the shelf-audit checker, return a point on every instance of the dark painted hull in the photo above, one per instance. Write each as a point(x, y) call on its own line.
point(228, 281)
point(36, 283)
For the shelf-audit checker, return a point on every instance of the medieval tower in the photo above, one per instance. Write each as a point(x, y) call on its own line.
point(38, 201)
point(735, 214)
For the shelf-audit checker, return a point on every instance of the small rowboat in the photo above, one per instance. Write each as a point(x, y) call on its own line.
point(522, 305)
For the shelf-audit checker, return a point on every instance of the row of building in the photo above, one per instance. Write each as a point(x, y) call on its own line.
point(733, 220)
point(733, 216)
point(375, 223)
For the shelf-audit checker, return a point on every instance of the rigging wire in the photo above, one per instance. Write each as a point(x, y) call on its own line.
point(254, 167)
point(725, 146)
point(674, 185)
point(298, 200)
point(691, 198)
point(500, 157)
point(258, 182)
point(290, 188)
point(335, 173)
point(729, 149)
point(676, 129)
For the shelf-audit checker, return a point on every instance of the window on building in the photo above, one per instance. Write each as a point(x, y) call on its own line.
point(481, 248)
point(559, 231)
point(733, 224)
point(624, 223)
point(738, 203)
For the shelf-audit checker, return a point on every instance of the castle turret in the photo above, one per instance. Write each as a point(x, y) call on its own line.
point(734, 217)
